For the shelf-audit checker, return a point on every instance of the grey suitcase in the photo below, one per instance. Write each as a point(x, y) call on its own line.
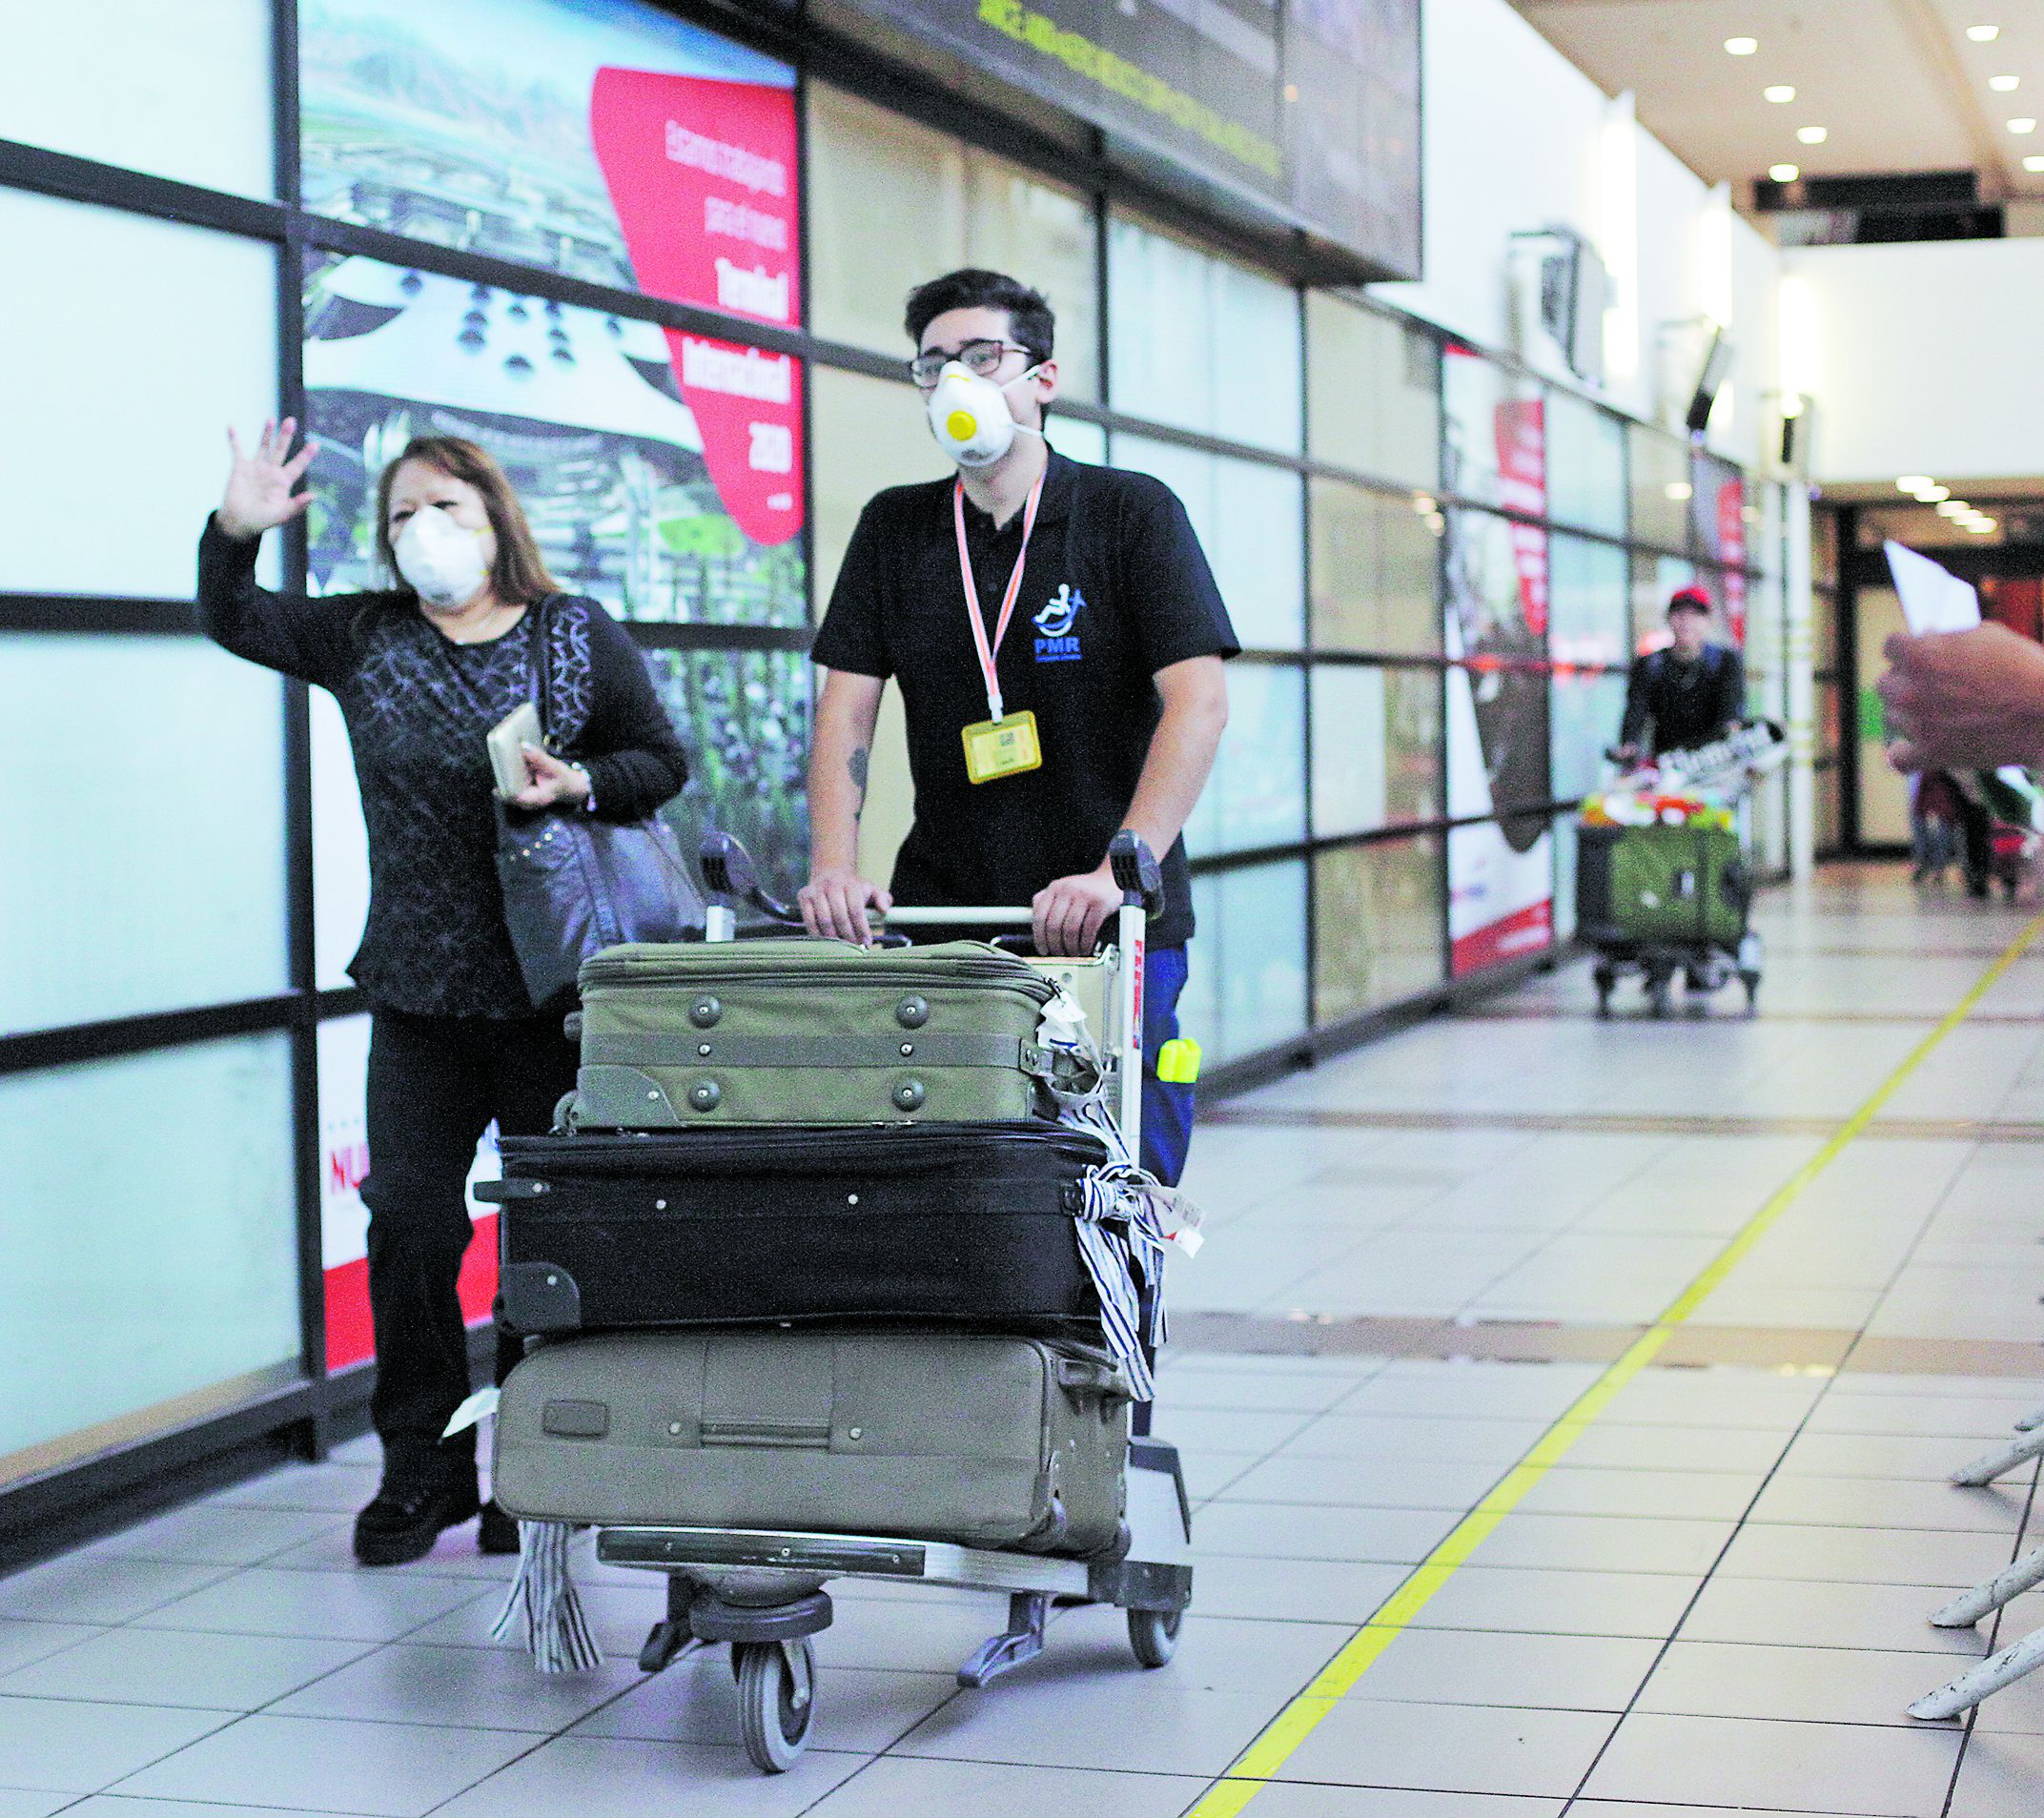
point(987, 1441)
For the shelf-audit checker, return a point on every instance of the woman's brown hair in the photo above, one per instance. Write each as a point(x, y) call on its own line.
point(518, 575)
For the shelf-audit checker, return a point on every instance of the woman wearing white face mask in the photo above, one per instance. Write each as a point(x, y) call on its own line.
point(423, 671)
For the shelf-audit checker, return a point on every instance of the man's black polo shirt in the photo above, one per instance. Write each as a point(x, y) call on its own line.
point(1117, 588)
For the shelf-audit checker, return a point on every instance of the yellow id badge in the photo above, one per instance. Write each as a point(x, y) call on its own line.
point(1005, 747)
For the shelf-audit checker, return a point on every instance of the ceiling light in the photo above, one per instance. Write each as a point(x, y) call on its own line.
point(1817, 135)
point(1678, 490)
point(2005, 84)
point(1784, 172)
point(1745, 47)
point(1983, 526)
point(2034, 164)
point(1780, 91)
point(1914, 482)
point(1930, 494)
point(2024, 125)
point(1983, 33)
point(1953, 508)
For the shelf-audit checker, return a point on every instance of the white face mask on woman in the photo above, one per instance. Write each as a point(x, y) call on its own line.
point(442, 561)
point(969, 416)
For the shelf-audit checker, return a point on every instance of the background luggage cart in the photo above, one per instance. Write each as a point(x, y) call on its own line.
point(764, 1590)
point(1670, 892)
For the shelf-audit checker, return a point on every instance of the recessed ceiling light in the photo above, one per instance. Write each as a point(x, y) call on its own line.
point(1930, 494)
point(1983, 524)
point(1813, 134)
point(1678, 490)
point(1784, 172)
point(2034, 164)
point(1914, 482)
point(1780, 91)
point(2005, 84)
point(1983, 33)
point(1742, 46)
point(2024, 125)
point(1955, 508)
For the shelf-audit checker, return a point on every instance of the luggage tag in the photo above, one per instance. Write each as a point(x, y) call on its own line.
point(1005, 747)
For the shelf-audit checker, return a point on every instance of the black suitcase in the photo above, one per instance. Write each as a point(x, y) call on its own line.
point(966, 1222)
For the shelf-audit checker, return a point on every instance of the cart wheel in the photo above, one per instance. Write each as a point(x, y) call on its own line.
point(1604, 976)
point(776, 1700)
point(1658, 987)
point(1154, 1635)
point(1751, 982)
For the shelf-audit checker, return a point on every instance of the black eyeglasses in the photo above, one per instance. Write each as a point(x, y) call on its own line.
point(983, 358)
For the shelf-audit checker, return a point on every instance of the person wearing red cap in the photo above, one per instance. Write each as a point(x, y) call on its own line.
point(1690, 694)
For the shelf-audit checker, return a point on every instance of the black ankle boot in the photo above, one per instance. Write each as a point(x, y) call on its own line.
point(497, 1532)
point(409, 1513)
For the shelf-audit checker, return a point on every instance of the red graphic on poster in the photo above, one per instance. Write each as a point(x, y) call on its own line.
point(704, 178)
point(1526, 931)
point(1522, 432)
point(1731, 545)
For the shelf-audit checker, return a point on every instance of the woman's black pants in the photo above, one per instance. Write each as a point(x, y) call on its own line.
point(435, 1085)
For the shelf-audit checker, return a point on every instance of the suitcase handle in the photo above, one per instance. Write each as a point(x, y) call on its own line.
point(798, 1435)
point(1083, 1376)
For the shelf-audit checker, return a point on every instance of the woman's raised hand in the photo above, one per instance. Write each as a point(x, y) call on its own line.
point(261, 487)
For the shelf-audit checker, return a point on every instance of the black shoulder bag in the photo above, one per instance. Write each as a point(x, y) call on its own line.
point(573, 885)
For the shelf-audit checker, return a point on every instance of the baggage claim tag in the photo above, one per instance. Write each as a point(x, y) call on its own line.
point(1003, 743)
point(1002, 748)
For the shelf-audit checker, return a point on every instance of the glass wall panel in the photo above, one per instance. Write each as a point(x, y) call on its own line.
point(1375, 747)
point(1201, 342)
point(1373, 392)
point(1376, 572)
point(1257, 795)
point(126, 893)
point(1250, 518)
point(642, 492)
point(1564, 877)
point(1247, 987)
point(1589, 617)
point(1495, 436)
point(612, 143)
point(340, 848)
point(743, 720)
point(1717, 510)
point(1588, 711)
point(891, 203)
point(180, 92)
point(1377, 925)
point(1586, 464)
point(868, 433)
point(158, 1276)
point(152, 332)
point(1660, 487)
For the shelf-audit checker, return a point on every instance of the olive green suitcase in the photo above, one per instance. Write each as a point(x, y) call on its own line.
point(810, 1032)
point(1661, 886)
point(979, 1441)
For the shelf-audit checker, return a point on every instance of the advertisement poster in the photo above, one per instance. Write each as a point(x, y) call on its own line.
point(343, 1056)
point(663, 470)
point(1501, 875)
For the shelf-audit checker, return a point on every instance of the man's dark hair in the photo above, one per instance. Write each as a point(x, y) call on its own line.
point(1029, 314)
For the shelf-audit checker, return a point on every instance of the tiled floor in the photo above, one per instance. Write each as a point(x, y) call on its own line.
point(1714, 1601)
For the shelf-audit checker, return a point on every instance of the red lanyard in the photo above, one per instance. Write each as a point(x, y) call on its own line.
point(989, 652)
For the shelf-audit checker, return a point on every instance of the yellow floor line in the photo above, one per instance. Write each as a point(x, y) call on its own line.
point(1261, 1761)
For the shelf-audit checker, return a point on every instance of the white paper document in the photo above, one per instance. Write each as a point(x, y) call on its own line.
point(1934, 598)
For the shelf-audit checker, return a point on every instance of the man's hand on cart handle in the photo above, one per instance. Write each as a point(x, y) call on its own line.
point(1068, 915)
point(834, 901)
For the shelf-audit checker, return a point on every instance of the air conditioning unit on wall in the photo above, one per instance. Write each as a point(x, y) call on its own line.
point(1558, 295)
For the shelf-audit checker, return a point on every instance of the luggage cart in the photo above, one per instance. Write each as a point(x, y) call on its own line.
point(1676, 925)
point(763, 1592)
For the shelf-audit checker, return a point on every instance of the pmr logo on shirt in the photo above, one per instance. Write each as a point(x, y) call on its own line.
point(1056, 641)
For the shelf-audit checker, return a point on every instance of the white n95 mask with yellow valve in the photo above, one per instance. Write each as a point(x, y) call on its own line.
point(970, 417)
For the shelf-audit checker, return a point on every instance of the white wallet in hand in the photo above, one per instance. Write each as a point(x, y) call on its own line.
point(506, 740)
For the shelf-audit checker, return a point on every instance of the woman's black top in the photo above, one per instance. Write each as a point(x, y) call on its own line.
point(418, 706)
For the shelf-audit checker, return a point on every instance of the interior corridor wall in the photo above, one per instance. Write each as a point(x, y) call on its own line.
point(1924, 357)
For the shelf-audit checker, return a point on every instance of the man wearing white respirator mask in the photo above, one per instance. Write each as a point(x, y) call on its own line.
point(423, 671)
point(1057, 637)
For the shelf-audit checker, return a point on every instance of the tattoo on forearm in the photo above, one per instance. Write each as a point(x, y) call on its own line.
point(856, 764)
